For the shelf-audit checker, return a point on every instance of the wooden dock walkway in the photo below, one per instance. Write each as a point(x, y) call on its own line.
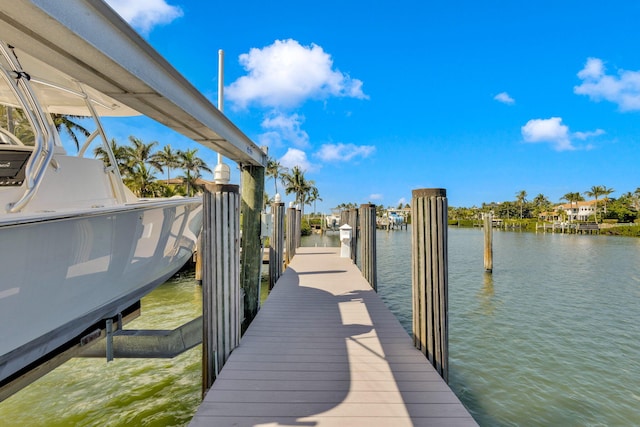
point(324, 350)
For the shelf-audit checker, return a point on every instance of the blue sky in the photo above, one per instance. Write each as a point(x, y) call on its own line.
point(375, 99)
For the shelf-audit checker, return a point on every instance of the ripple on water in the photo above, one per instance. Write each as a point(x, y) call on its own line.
point(550, 338)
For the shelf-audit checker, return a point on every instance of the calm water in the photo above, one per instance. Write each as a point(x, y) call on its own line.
point(551, 338)
point(125, 392)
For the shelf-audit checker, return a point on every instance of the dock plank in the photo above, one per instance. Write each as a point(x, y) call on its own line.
point(325, 351)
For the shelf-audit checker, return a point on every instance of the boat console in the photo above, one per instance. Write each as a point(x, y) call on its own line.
point(13, 163)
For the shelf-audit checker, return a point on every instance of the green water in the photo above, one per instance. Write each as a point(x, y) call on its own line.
point(125, 392)
point(551, 338)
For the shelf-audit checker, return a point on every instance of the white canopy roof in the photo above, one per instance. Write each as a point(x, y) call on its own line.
point(86, 41)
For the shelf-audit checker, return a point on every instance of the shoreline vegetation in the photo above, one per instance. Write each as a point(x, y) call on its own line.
point(607, 227)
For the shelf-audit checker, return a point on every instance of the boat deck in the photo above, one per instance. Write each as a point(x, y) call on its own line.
point(324, 350)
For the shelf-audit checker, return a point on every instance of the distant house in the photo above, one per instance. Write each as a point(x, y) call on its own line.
point(579, 211)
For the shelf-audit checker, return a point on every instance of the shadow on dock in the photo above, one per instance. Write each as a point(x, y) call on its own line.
point(325, 351)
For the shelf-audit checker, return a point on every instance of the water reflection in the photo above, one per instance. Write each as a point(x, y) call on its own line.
point(486, 294)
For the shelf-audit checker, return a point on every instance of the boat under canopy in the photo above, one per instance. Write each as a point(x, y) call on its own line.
point(77, 248)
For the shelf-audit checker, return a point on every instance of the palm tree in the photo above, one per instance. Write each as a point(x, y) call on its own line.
point(120, 153)
point(541, 204)
point(142, 181)
point(192, 166)
point(275, 170)
point(167, 158)
point(71, 128)
point(15, 121)
point(314, 196)
point(521, 198)
point(295, 182)
point(605, 192)
point(140, 152)
point(595, 192)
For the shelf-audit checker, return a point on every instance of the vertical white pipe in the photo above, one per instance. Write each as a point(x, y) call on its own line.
point(220, 87)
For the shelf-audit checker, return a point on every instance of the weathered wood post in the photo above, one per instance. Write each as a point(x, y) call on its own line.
point(368, 244)
point(276, 243)
point(291, 233)
point(251, 255)
point(198, 266)
point(298, 225)
point(430, 276)
point(352, 220)
point(488, 242)
point(221, 304)
point(344, 217)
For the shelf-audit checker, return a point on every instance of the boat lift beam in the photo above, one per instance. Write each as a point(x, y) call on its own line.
point(148, 343)
point(91, 43)
point(73, 348)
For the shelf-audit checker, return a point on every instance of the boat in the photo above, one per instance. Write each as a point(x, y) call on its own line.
point(77, 247)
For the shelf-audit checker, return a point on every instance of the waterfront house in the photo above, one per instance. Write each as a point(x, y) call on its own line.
point(579, 211)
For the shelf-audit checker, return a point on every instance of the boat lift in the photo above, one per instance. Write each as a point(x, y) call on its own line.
point(90, 42)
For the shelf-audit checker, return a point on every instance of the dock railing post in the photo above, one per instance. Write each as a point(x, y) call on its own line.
point(488, 242)
point(368, 244)
point(221, 304)
point(276, 243)
point(290, 240)
point(430, 276)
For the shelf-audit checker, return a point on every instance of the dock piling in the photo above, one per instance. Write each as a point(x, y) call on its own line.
point(368, 245)
point(290, 240)
point(276, 243)
point(221, 302)
point(430, 276)
point(488, 242)
point(251, 256)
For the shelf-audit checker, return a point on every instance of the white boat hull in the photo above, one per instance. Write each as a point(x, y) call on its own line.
point(61, 273)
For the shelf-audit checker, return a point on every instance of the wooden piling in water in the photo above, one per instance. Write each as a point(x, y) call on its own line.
point(488, 243)
point(430, 276)
point(368, 244)
point(221, 304)
point(251, 255)
point(276, 243)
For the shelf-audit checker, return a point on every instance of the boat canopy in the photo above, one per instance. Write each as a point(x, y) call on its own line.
point(85, 42)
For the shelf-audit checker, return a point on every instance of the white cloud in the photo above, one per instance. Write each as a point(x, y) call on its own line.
point(286, 74)
point(282, 129)
point(552, 131)
point(622, 89)
point(295, 157)
point(375, 196)
point(584, 135)
point(344, 152)
point(504, 98)
point(143, 15)
point(548, 130)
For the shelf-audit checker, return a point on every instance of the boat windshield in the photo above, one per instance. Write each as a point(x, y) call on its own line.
point(36, 100)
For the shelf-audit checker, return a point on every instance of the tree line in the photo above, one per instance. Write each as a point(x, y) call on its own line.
point(624, 209)
point(139, 162)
